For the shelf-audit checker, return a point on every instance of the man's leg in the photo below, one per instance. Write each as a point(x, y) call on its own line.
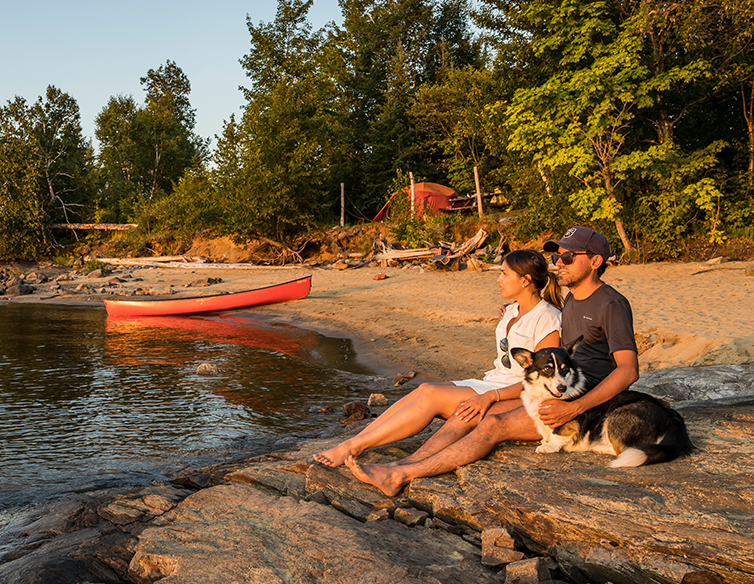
point(454, 429)
point(513, 425)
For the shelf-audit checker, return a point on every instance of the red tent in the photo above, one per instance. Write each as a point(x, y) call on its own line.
point(429, 198)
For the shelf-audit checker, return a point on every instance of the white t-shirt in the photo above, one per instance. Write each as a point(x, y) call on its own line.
point(531, 328)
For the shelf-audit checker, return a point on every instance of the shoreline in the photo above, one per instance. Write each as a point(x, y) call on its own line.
point(441, 323)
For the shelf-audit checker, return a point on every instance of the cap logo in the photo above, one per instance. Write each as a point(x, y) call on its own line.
point(569, 233)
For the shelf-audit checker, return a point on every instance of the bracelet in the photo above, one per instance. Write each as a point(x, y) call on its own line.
point(497, 391)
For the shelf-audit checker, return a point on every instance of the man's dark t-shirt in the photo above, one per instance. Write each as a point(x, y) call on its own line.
point(606, 321)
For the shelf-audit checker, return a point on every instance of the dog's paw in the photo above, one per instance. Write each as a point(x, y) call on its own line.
point(547, 448)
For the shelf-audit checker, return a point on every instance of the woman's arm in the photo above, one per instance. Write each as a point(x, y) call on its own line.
point(551, 340)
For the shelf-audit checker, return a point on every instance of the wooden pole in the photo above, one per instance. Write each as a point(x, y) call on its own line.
point(342, 204)
point(478, 192)
point(413, 194)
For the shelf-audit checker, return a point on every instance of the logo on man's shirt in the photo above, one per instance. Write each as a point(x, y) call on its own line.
point(587, 317)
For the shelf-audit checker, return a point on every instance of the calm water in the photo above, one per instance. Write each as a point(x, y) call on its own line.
point(88, 401)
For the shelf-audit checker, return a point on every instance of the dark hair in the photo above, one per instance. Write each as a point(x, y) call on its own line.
point(531, 263)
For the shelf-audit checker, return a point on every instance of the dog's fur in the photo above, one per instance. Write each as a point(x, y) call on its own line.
point(637, 427)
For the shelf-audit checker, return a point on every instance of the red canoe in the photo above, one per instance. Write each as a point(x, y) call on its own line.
point(293, 290)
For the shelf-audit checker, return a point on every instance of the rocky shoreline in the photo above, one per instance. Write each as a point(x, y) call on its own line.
point(515, 516)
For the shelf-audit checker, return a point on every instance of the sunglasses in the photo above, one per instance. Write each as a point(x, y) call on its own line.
point(506, 360)
point(567, 257)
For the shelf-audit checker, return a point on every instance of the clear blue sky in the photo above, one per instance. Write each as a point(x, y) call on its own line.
point(95, 49)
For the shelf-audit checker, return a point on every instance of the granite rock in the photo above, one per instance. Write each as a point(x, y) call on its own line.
point(236, 533)
point(281, 517)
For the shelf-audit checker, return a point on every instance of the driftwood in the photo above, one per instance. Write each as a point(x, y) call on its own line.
point(406, 254)
point(428, 252)
point(469, 245)
point(96, 226)
point(161, 263)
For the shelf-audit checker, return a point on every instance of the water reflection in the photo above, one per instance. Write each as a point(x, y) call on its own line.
point(88, 401)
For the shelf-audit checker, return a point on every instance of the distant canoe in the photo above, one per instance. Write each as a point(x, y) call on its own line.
point(293, 290)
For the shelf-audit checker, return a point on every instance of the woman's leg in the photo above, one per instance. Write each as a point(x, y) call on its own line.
point(407, 417)
point(454, 429)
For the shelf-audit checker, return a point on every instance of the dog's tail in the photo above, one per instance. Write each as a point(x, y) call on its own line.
point(674, 443)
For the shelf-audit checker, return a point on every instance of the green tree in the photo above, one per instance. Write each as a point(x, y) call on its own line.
point(21, 208)
point(66, 157)
point(118, 156)
point(386, 51)
point(165, 128)
point(580, 117)
point(145, 150)
point(47, 172)
point(453, 117)
point(614, 83)
point(272, 165)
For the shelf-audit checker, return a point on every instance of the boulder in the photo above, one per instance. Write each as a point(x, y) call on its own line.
point(531, 571)
point(207, 369)
point(377, 400)
point(86, 539)
point(410, 517)
point(355, 411)
point(19, 290)
point(235, 533)
point(689, 518)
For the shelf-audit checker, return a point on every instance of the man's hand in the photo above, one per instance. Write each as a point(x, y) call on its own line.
point(554, 412)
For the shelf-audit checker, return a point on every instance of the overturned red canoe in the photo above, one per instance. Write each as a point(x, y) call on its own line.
point(293, 290)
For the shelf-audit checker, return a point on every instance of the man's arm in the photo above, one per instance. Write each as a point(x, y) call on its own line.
point(555, 412)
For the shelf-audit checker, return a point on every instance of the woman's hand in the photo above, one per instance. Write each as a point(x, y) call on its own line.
point(476, 406)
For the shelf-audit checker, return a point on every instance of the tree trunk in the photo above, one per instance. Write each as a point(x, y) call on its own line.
point(610, 186)
point(749, 117)
point(622, 233)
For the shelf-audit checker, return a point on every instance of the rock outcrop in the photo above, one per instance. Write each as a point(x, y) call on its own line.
point(516, 516)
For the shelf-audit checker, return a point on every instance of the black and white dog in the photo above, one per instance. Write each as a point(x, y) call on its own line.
point(636, 427)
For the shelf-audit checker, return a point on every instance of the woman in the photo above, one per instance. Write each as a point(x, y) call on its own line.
point(531, 321)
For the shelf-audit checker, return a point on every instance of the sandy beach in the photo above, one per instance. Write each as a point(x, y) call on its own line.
point(441, 323)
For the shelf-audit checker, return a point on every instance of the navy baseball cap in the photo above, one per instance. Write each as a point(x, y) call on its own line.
point(582, 239)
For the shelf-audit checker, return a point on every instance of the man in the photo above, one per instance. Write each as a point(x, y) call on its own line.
point(607, 355)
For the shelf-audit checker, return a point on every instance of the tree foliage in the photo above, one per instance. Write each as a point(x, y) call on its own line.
point(45, 171)
point(271, 164)
point(145, 150)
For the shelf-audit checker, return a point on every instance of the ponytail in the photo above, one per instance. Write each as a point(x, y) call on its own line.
point(552, 292)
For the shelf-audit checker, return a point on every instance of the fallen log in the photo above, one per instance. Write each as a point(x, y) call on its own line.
point(469, 245)
point(152, 262)
point(96, 226)
point(406, 254)
point(428, 252)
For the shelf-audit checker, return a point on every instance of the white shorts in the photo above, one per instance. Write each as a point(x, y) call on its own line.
point(478, 385)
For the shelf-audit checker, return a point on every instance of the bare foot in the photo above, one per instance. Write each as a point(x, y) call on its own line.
point(335, 456)
point(389, 480)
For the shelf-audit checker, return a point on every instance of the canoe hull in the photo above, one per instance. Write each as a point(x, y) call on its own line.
point(293, 290)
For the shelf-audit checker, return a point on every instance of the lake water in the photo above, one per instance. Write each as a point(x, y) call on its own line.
point(88, 401)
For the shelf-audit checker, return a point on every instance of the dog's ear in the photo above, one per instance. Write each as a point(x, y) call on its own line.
point(523, 357)
point(571, 347)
